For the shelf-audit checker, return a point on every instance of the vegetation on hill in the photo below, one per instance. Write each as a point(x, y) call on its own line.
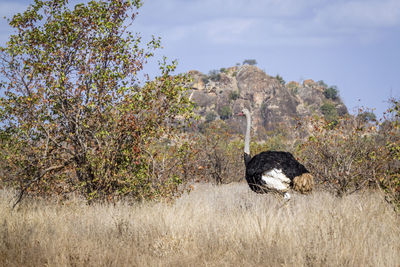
point(250, 62)
point(273, 102)
point(329, 111)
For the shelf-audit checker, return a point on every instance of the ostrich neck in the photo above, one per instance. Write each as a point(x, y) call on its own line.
point(247, 136)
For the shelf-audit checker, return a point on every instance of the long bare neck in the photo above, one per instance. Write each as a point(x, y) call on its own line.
point(247, 136)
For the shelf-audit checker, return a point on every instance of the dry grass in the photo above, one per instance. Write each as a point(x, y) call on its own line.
point(212, 226)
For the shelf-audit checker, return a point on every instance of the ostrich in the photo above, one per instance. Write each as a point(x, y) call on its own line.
point(274, 171)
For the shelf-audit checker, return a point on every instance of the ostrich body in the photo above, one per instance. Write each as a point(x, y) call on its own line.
point(274, 171)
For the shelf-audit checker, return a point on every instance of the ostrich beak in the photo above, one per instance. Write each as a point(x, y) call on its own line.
point(239, 114)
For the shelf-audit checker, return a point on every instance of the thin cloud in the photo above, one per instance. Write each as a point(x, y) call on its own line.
point(9, 8)
point(258, 22)
point(271, 22)
point(361, 14)
point(228, 30)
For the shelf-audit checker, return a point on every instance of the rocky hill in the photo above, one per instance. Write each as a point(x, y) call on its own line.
point(273, 103)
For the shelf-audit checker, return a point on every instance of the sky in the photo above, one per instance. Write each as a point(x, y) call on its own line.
point(353, 44)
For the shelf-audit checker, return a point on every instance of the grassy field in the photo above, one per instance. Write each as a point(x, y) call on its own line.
point(212, 226)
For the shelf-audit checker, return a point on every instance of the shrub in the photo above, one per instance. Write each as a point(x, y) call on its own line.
point(211, 116)
point(234, 95)
point(329, 111)
point(276, 140)
point(219, 155)
point(205, 79)
point(280, 79)
point(215, 155)
point(390, 134)
point(214, 75)
point(171, 164)
point(331, 93)
point(339, 157)
point(225, 112)
point(348, 157)
point(294, 87)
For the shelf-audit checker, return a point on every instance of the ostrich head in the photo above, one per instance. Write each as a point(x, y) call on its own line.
point(244, 112)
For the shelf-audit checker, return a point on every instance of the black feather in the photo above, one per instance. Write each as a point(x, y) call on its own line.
point(267, 161)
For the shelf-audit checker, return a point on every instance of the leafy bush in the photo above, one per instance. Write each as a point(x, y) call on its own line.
point(342, 159)
point(205, 79)
point(220, 156)
point(348, 157)
point(331, 93)
point(271, 140)
point(234, 95)
point(214, 75)
point(329, 111)
point(211, 116)
point(225, 112)
point(390, 133)
point(171, 164)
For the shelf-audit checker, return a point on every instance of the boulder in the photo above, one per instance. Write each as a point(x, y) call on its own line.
point(272, 104)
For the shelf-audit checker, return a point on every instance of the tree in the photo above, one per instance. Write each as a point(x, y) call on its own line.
point(72, 105)
point(214, 75)
point(280, 79)
point(322, 83)
point(331, 93)
point(250, 62)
